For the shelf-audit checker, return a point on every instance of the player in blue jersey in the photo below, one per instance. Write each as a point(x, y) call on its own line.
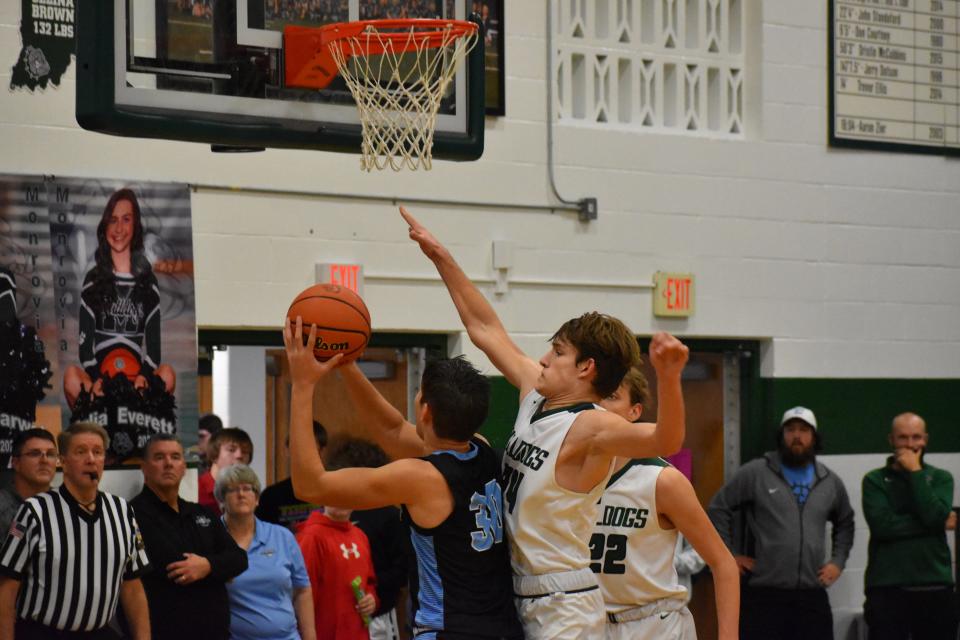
point(444, 477)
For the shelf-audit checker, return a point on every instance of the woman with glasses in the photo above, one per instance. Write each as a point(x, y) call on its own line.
point(272, 598)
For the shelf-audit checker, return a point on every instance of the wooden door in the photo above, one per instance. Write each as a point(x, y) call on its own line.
point(703, 399)
point(330, 406)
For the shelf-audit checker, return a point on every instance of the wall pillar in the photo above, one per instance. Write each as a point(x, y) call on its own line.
point(240, 398)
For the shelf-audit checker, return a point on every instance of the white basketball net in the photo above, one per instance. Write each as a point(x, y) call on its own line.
point(399, 92)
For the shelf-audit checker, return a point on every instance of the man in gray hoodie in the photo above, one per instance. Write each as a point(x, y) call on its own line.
point(772, 515)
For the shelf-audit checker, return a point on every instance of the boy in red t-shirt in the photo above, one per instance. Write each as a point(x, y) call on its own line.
point(335, 552)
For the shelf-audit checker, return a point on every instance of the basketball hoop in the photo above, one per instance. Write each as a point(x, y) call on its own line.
point(398, 71)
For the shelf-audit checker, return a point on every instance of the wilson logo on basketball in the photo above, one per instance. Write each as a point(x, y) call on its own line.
point(330, 346)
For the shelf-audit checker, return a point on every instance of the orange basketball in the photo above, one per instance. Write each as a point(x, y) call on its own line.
point(342, 319)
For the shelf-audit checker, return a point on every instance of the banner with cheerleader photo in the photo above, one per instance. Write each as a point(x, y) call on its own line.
point(28, 332)
point(123, 267)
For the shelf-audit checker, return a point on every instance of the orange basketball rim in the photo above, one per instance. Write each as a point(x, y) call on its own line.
point(309, 60)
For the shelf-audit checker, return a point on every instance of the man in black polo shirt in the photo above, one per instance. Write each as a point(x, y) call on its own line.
point(192, 554)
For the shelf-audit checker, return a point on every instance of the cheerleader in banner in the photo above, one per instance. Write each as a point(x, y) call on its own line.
point(120, 322)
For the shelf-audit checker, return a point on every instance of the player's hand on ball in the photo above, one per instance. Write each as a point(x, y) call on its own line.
point(304, 366)
point(667, 354)
point(430, 246)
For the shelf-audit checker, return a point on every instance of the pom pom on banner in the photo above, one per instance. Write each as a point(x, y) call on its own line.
point(130, 415)
point(24, 370)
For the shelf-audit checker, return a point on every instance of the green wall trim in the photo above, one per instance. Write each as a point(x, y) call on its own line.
point(854, 414)
point(504, 405)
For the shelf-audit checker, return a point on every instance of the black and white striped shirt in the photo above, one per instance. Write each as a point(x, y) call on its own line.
point(70, 563)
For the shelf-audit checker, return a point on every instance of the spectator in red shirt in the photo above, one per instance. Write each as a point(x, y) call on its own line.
point(336, 552)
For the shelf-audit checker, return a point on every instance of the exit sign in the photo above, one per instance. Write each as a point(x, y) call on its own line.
point(345, 275)
point(673, 294)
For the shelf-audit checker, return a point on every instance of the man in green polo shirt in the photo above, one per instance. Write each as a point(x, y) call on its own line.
point(907, 504)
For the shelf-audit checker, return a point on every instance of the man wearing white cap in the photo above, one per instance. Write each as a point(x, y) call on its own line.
point(772, 515)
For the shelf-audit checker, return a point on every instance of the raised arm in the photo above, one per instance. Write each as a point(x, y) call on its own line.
point(402, 482)
point(614, 436)
point(478, 317)
point(397, 437)
point(678, 502)
point(305, 372)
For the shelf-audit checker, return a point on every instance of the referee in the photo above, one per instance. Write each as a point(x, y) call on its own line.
point(72, 553)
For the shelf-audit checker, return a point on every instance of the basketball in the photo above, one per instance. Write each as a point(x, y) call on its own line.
point(342, 319)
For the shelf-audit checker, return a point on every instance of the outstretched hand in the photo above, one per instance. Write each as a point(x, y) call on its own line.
point(304, 366)
point(667, 354)
point(430, 246)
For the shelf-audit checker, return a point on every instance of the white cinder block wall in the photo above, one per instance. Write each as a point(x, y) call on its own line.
point(846, 263)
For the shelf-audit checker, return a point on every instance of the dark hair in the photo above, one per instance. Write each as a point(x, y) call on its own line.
point(102, 255)
point(607, 341)
point(159, 437)
point(101, 276)
point(458, 396)
point(319, 435)
point(354, 452)
point(23, 436)
point(211, 423)
point(233, 434)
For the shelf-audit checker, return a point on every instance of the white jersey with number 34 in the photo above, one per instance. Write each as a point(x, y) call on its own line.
point(549, 527)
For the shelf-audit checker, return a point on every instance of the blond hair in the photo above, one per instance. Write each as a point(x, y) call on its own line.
point(638, 386)
point(63, 440)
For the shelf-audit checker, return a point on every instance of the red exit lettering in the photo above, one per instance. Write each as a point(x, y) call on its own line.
point(346, 275)
point(677, 294)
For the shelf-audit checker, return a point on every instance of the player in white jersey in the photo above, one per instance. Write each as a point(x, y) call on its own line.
point(645, 505)
point(562, 450)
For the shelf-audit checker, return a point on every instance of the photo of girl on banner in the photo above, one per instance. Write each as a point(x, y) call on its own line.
point(129, 258)
point(27, 328)
point(119, 309)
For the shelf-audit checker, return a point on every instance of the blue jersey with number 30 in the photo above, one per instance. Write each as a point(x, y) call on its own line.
point(462, 583)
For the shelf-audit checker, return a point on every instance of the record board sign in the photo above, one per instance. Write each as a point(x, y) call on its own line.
point(894, 75)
